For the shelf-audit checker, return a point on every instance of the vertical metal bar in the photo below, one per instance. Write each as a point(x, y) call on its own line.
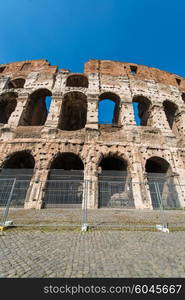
point(84, 201)
point(84, 209)
point(162, 217)
point(87, 195)
point(109, 204)
point(8, 203)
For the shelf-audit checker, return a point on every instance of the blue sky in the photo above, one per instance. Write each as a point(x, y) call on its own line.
point(69, 32)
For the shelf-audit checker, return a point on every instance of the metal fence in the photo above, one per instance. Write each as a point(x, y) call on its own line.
point(6, 191)
point(58, 193)
point(161, 201)
point(67, 203)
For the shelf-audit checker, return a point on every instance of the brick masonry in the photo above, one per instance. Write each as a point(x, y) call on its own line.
point(21, 83)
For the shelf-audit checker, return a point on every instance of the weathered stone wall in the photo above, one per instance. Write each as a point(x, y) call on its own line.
point(134, 144)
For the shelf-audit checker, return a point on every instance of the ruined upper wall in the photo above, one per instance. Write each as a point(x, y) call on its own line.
point(114, 68)
point(23, 68)
point(104, 67)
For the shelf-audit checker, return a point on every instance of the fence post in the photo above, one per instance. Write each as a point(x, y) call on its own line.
point(8, 204)
point(84, 207)
point(162, 217)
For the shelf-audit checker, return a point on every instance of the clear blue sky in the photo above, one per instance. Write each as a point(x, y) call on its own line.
point(70, 32)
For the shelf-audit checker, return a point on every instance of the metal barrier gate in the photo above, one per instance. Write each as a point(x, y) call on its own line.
point(115, 190)
point(60, 193)
point(119, 211)
point(63, 189)
point(6, 192)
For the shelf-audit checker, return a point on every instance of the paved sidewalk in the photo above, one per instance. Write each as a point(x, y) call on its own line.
point(92, 254)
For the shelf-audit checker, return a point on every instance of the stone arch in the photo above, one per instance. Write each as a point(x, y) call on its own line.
point(183, 97)
point(161, 184)
point(19, 166)
point(171, 110)
point(77, 80)
point(113, 162)
point(74, 111)
point(22, 159)
point(8, 103)
point(156, 164)
point(114, 182)
point(110, 152)
point(26, 66)
point(115, 113)
point(64, 186)
point(35, 113)
point(67, 161)
point(16, 83)
point(141, 110)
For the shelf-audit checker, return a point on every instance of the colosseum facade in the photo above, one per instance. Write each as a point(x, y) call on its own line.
point(67, 143)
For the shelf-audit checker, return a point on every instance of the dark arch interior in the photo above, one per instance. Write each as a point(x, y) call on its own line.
point(113, 163)
point(183, 96)
point(18, 166)
point(36, 111)
point(106, 99)
point(16, 83)
point(20, 160)
point(77, 81)
point(142, 110)
point(74, 111)
point(67, 161)
point(161, 184)
point(170, 110)
point(8, 104)
point(113, 185)
point(65, 181)
point(157, 165)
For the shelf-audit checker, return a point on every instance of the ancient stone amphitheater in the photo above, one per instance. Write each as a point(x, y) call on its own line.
point(63, 156)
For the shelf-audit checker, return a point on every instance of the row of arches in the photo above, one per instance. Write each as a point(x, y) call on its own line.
point(35, 112)
point(73, 80)
point(70, 161)
point(64, 184)
point(73, 114)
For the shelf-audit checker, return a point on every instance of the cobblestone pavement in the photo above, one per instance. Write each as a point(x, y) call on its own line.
point(36, 253)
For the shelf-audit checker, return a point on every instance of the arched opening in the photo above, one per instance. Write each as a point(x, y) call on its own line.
point(74, 111)
point(8, 102)
point(64, 186)
point(17, 83)
point(141, 107)
point(113, 164)
point(114, 183)
point(108, 109)
point(36, 111)
point(170, 110)
point(25, 67)
point(183, 96)
point(161, 185)
point(77, 80)
point(67, 161)
point(2, 69)
point(19, 167)
point(19, 160)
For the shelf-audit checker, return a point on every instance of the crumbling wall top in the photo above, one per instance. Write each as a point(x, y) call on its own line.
point(103, 67)
point(23, 68)
point(133, 71)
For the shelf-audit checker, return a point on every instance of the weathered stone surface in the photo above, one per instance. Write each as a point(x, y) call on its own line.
point(161, 96)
